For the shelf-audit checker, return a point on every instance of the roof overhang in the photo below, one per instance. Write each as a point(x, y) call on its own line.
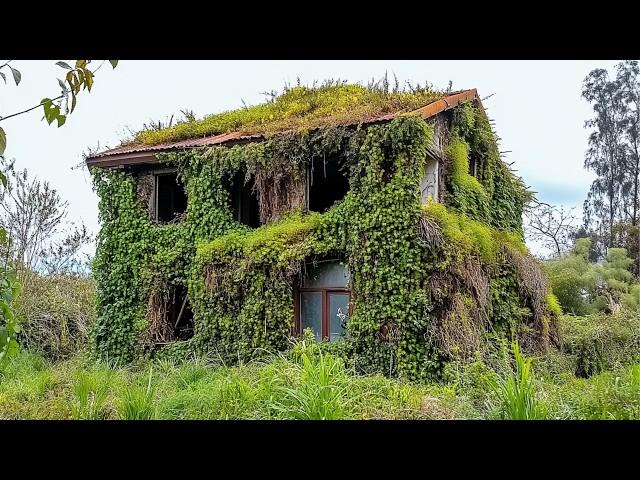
point(146, 154)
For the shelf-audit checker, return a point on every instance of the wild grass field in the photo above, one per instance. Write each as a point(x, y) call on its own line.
point(305, 383)
point(594, 375)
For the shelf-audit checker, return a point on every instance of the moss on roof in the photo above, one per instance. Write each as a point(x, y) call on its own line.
point(300, 108)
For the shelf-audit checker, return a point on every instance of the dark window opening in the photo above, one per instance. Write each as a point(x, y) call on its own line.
point(244, 201)
point(473, 166)
point(323, 301)
point(170, 197)
point(328, 184)
point(180, 315)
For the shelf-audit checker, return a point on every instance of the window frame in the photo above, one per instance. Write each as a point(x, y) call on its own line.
point(163, 173)
point(324, 321)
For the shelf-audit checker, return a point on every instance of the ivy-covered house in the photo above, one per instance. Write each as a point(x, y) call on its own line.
point(383, 221)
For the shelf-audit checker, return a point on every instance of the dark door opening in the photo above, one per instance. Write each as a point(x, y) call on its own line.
point(244, 201)
point(170, 197)
point(180, 315)
point(328, 184)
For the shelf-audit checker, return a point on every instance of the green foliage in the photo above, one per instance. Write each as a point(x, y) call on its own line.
point(321, 393)
point(572, 277)
point(90, 391)
point(466, 236)
point(597, 343)
point(9, 322)
point(240, 281)
point(495, 196)
point(583, 287)
point(516, 390)
point(56, 313)
point(280, 388)
point(300, 108)
point(138, 402)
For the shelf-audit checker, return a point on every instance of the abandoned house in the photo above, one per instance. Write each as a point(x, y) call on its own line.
point(383, 222)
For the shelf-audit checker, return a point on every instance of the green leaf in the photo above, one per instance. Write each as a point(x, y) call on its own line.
point(3, 180)
point(3, 146)
point(17, 76)
point(64, 65)
point(61, 119)
point(113, 63)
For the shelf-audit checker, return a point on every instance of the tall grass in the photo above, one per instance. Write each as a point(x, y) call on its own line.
point(515, 390)
point(90, 392)
point(320, 393)
point(138, 403)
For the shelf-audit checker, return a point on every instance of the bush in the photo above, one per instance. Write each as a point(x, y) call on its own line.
point(584, 288)
point(601, 342)
point(607, 396)
point(56, 312)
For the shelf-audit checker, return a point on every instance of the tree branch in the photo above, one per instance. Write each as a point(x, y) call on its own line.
point(29, 109)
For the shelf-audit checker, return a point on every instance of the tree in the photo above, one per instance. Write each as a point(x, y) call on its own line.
point(628, 74)
point(76, 79)
point(551, 226)
point(606, 153)
point(31, 212)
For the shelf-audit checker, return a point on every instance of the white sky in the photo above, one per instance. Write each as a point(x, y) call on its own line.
point(536, 106)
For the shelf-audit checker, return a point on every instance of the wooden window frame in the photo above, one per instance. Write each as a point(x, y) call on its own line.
point(324, 323)
point(161, 173)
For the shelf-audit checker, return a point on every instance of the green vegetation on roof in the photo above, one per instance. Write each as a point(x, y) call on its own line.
point(301, 108)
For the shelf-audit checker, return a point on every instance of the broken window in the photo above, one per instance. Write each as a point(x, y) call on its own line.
point(170, 197)
point(180, 315)
point(473, 166)
point(327, 184)
point(244, 201)
point(323, 300)
point(429, 181)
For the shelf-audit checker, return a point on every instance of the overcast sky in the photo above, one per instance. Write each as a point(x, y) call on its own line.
point(536, 106)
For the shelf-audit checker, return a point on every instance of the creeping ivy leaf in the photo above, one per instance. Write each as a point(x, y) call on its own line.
point(64, 65)
point(17, 76)
point(3, 146)
point(113, 63)
point(61, 119)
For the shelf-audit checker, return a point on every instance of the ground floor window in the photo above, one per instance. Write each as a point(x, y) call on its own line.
point(323, 301)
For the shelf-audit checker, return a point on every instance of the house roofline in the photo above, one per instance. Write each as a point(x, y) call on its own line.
point(146, 154)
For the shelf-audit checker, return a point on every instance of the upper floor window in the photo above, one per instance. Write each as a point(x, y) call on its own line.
point(429, 181)
point(327, 184)
point(244, 201)
point(473, 166)
point(170, 199)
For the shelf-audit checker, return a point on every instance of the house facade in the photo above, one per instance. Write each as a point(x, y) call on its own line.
point(394, 237)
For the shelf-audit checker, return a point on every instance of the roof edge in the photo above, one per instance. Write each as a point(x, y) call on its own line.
point(116, 157)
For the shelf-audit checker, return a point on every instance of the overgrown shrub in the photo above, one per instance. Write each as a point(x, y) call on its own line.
point(57, 312)
point(599, 342)
point(585, 288)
